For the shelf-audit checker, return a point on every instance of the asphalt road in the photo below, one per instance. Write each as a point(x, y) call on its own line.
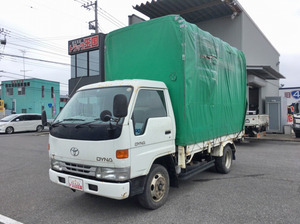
point(263, 187)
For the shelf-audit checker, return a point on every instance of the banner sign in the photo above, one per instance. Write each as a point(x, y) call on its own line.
point(83, 44)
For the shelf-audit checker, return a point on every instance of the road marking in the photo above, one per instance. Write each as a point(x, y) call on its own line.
point(6, 220)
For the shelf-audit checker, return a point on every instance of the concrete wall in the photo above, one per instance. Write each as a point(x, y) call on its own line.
point(255, 45)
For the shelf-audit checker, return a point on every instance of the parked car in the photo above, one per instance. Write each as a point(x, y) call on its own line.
point(21, 122)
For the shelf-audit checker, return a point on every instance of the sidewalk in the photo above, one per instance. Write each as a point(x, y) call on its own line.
point(277, 137)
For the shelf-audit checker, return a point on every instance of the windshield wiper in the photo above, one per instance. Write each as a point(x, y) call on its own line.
point(67, 119)
point(87, 123)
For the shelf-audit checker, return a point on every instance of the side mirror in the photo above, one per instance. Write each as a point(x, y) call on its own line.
point(120, 106)
point(44, 118)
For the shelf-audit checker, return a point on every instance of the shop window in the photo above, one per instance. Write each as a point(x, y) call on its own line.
point(73, 66)
point(94, 62)
point(82, 65)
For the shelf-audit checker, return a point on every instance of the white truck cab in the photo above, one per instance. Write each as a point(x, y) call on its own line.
point(95, 148)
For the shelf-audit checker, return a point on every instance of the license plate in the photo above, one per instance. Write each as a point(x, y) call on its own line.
point(75, 183)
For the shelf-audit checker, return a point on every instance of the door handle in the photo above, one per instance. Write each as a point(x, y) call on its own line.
point(167, 132)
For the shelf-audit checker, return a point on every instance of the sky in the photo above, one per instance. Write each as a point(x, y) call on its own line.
point(39, 30)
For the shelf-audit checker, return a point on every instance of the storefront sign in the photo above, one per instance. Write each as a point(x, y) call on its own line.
point(296, 94)
point(83, 44)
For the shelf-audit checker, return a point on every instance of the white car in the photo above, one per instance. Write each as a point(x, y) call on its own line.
point(21, 122)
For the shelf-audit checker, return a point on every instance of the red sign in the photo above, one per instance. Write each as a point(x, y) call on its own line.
point(83, 44)
point(17, 81)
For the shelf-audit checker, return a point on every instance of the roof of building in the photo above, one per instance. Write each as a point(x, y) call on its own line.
point(264, 72)
point(193, 11)
point(29, 79)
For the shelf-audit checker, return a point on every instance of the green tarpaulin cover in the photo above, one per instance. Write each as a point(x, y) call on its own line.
point(206, 77)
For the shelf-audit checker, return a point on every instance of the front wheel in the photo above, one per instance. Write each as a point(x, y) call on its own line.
point(9, 130)
point(223, 164)
point(156, 189)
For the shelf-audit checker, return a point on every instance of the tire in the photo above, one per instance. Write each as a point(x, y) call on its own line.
point(39, 128)
point(9, 130)
point(297, 134)
point(156, 189)
point(223, 164)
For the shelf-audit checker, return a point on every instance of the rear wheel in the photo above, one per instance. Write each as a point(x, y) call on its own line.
point(156, 189)
point(39, 128)
point(297, 134)
point(223, 164)
point(9, 130)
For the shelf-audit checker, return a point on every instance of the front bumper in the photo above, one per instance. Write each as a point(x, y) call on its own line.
point(117, 191)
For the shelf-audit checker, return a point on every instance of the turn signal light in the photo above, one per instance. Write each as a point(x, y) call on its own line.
point(48, 147)
point(122, 154)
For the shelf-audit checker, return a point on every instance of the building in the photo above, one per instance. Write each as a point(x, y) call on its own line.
point(87, 61)
point(63, 99)
point(31, 96)
point(292, 96)
point(225, 19)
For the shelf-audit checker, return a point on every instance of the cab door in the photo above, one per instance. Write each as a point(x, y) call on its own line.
point(151, 130)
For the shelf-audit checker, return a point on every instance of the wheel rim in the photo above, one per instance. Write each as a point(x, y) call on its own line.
point(9, 130)
point(158, 187)
point(227, 159)
point(39, 128)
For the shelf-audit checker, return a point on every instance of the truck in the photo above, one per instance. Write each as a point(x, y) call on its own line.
point(172, 106)
point(256, 124)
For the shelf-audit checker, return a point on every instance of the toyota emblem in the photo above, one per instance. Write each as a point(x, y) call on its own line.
point(74, 151)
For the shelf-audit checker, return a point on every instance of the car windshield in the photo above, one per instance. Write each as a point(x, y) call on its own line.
point(87, 105)
point(9, 118)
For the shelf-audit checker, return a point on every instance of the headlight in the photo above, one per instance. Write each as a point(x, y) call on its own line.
point(247, 121)
point(56, 165)
point(116, 174)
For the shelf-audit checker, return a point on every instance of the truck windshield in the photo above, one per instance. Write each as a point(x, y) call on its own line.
point(81, 115)
point(87, 105)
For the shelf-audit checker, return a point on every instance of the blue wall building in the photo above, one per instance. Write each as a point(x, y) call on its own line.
point(31, 96)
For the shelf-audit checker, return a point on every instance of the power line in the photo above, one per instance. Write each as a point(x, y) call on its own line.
point(121, 24)
point(35, 59)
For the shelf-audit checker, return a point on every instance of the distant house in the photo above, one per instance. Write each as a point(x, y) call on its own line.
point(31, 96)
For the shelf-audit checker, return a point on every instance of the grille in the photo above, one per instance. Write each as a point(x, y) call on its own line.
point(79, 169)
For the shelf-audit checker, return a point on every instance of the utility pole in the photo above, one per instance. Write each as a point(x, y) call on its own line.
point(4, 32)
point(91, 26)
point(24, 52)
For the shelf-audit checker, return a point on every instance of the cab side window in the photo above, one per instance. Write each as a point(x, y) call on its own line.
point(149, 104)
